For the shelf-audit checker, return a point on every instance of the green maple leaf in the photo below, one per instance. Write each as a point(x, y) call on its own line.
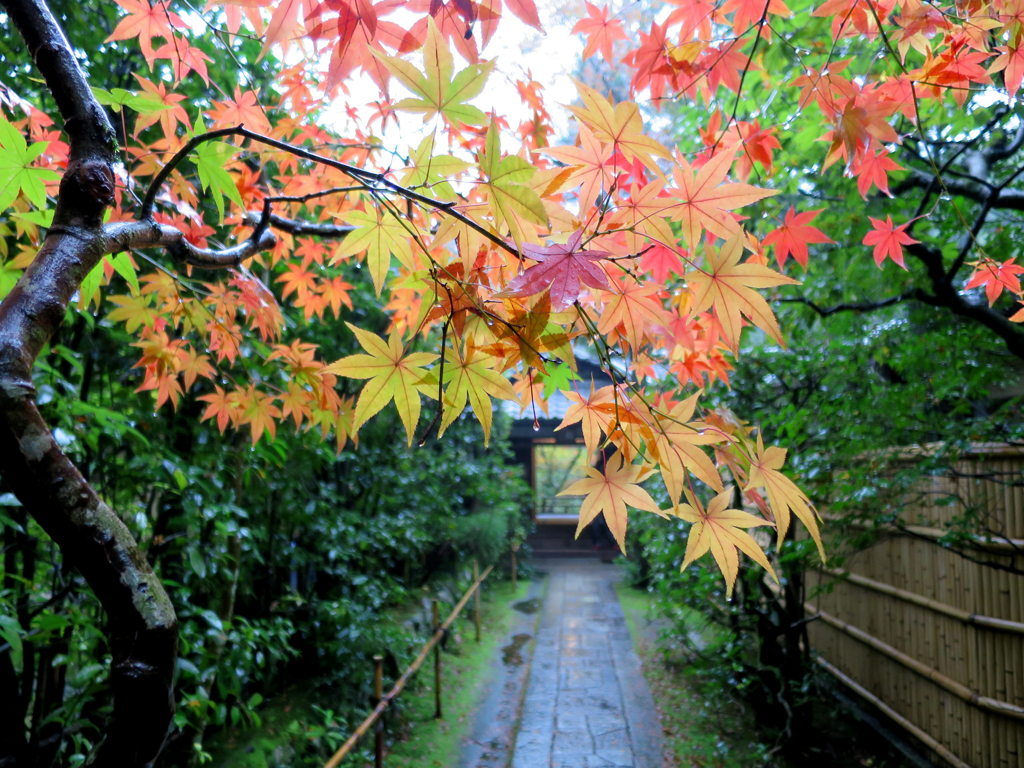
point(210, 159)
point(17, 175)
point(432, 171)
point(509, 198)
point(436, 90)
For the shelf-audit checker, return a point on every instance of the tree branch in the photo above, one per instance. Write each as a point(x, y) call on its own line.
point(124, 236)
point(373, 179)
point(296, 227)
point(142, 625)
point(862, 307)
point(1004, 199)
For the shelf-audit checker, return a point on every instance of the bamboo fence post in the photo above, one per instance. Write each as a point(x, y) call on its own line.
point(476, 597)
point(378, 692)
point(437, 667)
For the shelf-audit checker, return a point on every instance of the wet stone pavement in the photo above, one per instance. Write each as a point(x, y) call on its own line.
point(587, 703)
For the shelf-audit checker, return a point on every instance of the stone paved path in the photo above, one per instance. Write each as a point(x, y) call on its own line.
point(587, 703)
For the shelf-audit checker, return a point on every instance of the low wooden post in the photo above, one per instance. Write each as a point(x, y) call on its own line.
point(378, 692)
point(476, 597)
point(514, 569)
point(437, 666)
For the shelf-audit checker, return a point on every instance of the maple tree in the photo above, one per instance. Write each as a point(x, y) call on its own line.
point(512, 255)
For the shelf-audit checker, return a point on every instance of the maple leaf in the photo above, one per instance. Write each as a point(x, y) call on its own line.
point(633, 303)
point(644, 214)
point(601, 32)
point(508, 196)
point(145, 22)
point(392, 374)
point(591, 166)
point(783, 493)
point(433, 171)
point(336, 293)
point(437, 91)
point(18, 175)
point(675, 446)
point(596, 412)
point(729, 288)
point(380, 234)
point(749, 12)
point(873, 168)
point(660, 260)
point(888, 240)
point(134, 311)
point(996, 277)
point(222, 405)
point(1011, 63)
point(243, 109)
point(282, 23)
point(621, 126)
point(794, 235)
point(611, 492)
point(561, 270)
point(297, 280)
point(470, 375)
point(720, 530)
point(706, 200)
point(257, 409)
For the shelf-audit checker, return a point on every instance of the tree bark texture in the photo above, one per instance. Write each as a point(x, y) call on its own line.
point(143, 626)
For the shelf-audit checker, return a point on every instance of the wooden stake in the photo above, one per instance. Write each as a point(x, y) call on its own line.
point(437, 667)
point(514, 574)
point(378, 692)
point(476, 597)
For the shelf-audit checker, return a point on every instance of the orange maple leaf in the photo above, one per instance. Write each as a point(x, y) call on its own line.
point(720, 530)
point(783, 493)
point(610, 492)
point(729, 287)
point(145, 22)
point(705, 201)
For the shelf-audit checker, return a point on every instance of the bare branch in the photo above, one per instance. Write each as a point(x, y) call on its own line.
point(862, 307)
point(296, 227)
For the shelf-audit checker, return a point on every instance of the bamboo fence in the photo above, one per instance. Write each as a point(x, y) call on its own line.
point(933, 638)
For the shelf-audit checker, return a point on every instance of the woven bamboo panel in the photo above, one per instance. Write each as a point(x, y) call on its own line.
point(988, 661)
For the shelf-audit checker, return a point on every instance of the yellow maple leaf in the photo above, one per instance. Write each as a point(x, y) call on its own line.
point(720, 530)
point(676, 441)
point(380, 235)
point(471, 375)
point(392, 374)
point(620, 125)
point(610, 492)
point(783, 494)
point(729, 286)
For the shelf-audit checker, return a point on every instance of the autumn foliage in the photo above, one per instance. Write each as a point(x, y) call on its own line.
point(498, 253)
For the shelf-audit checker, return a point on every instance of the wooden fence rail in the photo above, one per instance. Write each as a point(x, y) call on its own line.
point(385, 701)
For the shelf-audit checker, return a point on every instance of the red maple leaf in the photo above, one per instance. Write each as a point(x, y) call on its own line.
point(794, 235)
point(996, 277)
point(561, 270)
point(888, 240)
point(872, 169)
point(660, 260)
point(601, 32)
